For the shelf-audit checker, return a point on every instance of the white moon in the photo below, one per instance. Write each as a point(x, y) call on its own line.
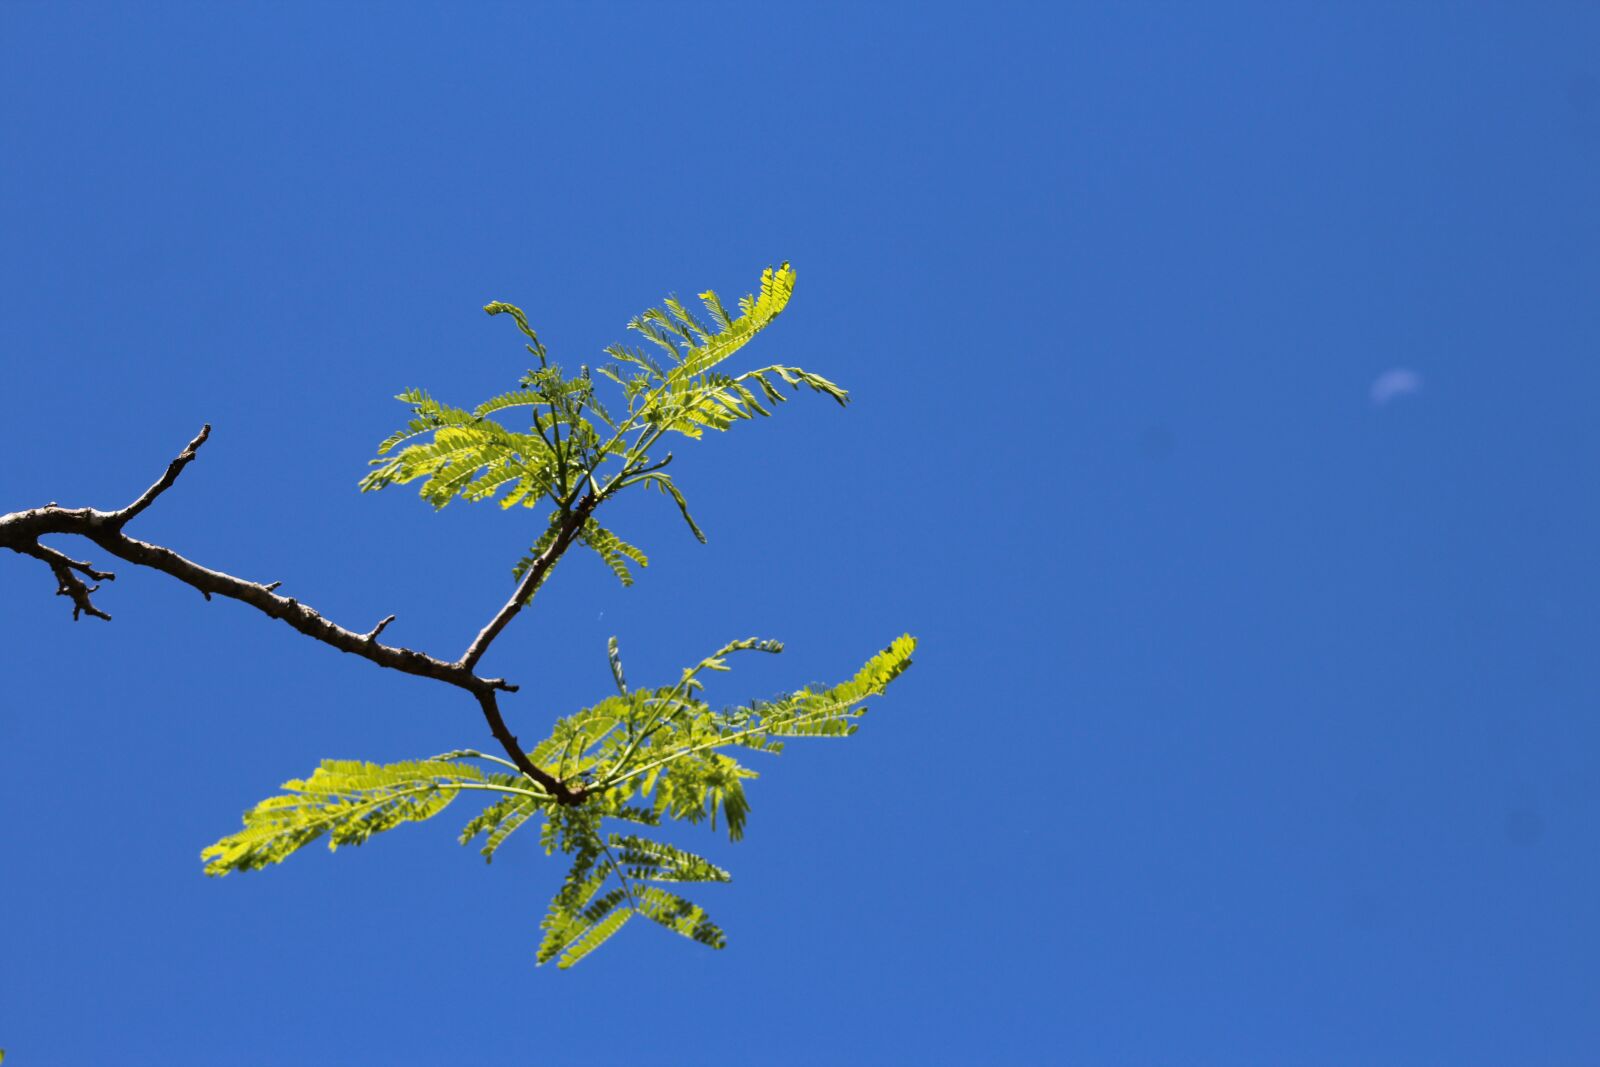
point(1392, 384)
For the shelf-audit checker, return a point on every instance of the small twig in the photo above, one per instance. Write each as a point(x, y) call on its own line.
point(163, 483)
point(77, 565)
point(270, 586)
point(69, 584)
point(372, 634)
point(652, 468)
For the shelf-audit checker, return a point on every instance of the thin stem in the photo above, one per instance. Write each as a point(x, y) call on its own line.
point(635, 742)
point(561, 459)
point(471, 753)
point(717, 742)
point(540, 430)
point(650, 400)
point(627, 887)
point(492, 787)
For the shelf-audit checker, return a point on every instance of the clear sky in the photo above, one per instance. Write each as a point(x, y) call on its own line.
point(1224, 384)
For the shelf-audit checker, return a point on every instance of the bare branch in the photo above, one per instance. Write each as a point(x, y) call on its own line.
point(164, 482)
point(372, 634)
point(20, 531)
point(69, 584)
point(58, 559)
point(288, 609)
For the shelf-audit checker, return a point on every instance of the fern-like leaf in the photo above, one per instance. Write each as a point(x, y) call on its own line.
point(613, 550)
point(566, 921)
point(679, 916)
point(500, 820)
point(667, 486)
point(499, 307)
point(656, 861)
point(347, 801)
point(595, 934)
point(700, 785)
point(584, 914)
point(830, 712)
point(703, 349)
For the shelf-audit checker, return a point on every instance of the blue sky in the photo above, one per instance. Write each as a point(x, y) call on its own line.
point(1253, 721)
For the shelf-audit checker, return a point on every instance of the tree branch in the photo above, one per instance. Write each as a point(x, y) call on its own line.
point(164, 482)
point(20, 531)
point(67, 583)
point(530, 581)
point(490, 707)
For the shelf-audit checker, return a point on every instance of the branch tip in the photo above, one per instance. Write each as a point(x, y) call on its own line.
point(163, 483)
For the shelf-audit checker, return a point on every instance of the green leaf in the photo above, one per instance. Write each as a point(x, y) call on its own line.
point(615, 660)
point(345, 800)
point(831, 712)
point(703, 350)
point(656, 861)
point(500, 820)
point(472, 458)
point(595, 935)
point(499, 307)
point(699, 785)
point(566, 921)
point(666, 485)
point(613, 550)
point(680, 916)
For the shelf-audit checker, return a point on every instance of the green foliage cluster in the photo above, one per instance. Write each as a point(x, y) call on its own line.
point(574, 445)
point(642, 756)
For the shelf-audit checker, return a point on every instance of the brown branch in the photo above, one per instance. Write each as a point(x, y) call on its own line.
point(300, 616)
point(563, 793)
point(530, 581)
point(164, 482)
point(67, 583)
point(20, 531)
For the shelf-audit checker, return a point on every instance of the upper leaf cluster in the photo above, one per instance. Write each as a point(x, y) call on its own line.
point(571, 445)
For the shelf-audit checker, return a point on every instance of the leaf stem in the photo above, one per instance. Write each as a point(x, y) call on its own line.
point(719, 741)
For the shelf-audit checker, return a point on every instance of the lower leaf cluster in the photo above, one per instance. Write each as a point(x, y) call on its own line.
point(642, 756)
